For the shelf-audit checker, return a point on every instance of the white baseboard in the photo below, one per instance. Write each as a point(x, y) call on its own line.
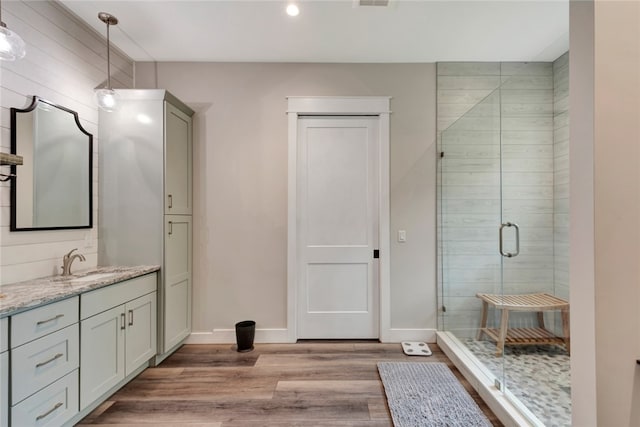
point(228, 336)
point(406, 334)
point(275, 336)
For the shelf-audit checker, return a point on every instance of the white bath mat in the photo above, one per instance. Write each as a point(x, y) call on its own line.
point(416, 348)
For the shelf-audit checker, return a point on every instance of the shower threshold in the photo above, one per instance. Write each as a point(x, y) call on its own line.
point(508, 408)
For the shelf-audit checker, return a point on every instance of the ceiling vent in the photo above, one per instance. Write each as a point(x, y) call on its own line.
point(383, 3)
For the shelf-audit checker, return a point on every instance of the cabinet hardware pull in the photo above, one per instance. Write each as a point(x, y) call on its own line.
point(130, 317)
point(122, 321)
point(57, 405)
point(42, 322)
point(46, 362)
point(170, 228)
point(170, 201)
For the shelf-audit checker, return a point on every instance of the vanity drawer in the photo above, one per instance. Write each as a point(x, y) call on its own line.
point(51, 406)
point(4, 334)
point(42, 362)
point(32, 324)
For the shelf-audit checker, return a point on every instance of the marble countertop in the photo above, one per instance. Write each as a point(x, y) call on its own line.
point(17, 297)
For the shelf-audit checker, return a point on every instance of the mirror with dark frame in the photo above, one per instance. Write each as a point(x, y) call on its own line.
point(52, 189)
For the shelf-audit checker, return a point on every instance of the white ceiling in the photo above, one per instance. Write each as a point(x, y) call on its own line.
point(334, 30)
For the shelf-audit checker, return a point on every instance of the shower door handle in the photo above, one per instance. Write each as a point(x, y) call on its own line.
point(510, 254)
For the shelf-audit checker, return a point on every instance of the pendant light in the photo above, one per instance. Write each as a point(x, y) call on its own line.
point(107, 98)
point(11, 45)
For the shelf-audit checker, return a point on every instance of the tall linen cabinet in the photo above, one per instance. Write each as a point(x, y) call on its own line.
point(145, 199)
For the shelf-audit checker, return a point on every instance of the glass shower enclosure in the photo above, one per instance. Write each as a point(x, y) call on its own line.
point(497, 190)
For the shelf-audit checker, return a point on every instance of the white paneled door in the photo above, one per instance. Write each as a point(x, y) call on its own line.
point(338, 292)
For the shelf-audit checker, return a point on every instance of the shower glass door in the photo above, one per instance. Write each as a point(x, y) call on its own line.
point(528, 250)
point(470, 214)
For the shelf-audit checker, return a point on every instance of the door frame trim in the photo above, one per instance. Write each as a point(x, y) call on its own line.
point(339, 106)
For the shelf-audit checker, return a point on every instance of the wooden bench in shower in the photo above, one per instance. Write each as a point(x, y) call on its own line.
point(523, 336)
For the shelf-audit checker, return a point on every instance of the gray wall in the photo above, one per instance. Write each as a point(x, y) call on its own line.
point(240, 182)
point(605, 212)
point(584, 393)
point(616, 180)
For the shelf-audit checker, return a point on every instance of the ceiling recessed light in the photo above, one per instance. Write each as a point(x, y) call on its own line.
point(292, 10)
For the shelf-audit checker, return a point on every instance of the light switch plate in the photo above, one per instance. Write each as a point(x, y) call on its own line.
point(402, 236)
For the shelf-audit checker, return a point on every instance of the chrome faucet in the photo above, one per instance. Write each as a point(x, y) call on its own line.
point(67, 260)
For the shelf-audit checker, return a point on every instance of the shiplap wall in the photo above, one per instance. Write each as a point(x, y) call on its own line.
point(561, 174)
point(480, 130)
point(65, 61)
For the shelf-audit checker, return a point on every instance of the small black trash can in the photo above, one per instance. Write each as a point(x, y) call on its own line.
point(245, 332)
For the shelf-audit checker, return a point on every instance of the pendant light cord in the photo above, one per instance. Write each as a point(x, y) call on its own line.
point(2, 24)
point(108, 59)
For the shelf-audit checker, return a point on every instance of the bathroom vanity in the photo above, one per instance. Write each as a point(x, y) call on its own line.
point(72, 341)
point(68, 342)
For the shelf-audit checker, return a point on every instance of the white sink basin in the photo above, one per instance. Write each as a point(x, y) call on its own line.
point(94, 277)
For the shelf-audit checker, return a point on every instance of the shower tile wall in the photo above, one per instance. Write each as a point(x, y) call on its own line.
point(527, 178)
point(561, 174)
point(476, 118)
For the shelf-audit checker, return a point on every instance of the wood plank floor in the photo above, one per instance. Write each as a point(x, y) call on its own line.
point(306, 384)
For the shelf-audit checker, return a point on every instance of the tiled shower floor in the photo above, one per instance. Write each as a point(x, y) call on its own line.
point(539, 376)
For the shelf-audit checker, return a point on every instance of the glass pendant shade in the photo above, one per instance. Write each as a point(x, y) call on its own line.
point(12, 46)
point(107, 99)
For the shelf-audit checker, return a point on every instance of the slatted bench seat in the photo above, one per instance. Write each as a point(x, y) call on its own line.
point(523, 336)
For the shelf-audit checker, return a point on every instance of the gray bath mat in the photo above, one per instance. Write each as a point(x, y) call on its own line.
point(428, 395)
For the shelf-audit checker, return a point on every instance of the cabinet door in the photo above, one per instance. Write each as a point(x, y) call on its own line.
point(177, 283)
point(102, 341)
point(4, 389)
point(4, 372)
point(141, 331)
point(177, 161)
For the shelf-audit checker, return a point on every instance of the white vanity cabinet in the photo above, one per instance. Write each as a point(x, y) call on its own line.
point(146, 200)
point(118, 335)
point(4, 372)
point(44, 364)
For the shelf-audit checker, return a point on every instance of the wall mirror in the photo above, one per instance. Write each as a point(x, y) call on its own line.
point(53, 187)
